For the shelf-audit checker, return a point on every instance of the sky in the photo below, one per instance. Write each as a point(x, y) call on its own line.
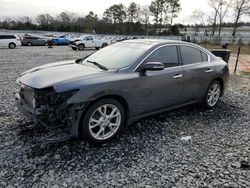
point(31, 8)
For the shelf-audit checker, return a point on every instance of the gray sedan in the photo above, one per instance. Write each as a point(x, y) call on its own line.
point(95, 97)
point(33, 41)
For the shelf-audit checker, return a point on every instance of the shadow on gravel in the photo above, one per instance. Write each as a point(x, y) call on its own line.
point(28, 129)
point(154, 128)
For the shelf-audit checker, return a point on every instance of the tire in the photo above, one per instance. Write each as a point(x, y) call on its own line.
point(29, 44)
point(104, 45)
point(96, 127)
point(81, 47)
point(74, 48)
point(212, 95)
point(97, 48)
point(12, 45)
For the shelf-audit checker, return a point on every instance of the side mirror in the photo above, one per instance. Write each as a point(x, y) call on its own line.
point(153, 66)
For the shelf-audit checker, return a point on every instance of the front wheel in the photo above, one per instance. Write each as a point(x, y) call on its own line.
point(81, 47)
point(212, 95)
point(103, 121)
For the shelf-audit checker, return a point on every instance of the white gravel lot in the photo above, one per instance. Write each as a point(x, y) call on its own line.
point(148, 154)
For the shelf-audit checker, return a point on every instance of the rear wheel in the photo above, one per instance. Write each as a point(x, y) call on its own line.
point(212, 95)
point(73, 48)
point(12, 45)
point(103, 121)
point(81, 47)
point(29, 44)
point(97, 48)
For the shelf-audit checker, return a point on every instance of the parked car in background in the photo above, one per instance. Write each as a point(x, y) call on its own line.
point(72, 41)
point(33, 41)
point(10, 41)
point(109, 39)
point(95, 97)
point(89, 41)
point(62, 40)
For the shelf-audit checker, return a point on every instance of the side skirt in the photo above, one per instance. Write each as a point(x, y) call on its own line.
point(134, 119)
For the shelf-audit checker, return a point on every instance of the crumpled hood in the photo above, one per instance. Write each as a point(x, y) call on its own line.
point(55, 73)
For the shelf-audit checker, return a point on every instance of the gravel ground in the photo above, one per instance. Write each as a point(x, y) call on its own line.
point(148, 154)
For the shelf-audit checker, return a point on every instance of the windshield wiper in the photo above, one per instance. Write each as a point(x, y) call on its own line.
point(98, 65)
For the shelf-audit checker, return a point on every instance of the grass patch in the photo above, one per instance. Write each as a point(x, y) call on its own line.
point(245, 74)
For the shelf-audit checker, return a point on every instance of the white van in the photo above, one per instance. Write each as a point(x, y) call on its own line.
point(10, 41)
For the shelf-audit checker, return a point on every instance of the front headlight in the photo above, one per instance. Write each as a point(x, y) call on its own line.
point(58, 98)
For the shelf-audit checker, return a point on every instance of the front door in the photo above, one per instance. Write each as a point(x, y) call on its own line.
point(89, 43)
point(160, 89)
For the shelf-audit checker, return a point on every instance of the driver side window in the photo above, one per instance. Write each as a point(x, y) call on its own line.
point(89, 38)
point(167, 55)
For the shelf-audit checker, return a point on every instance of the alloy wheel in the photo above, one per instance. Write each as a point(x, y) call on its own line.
point(104, 122)
point(213, 94)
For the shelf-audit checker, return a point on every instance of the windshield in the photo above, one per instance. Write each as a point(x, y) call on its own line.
point(83, 37)
point(119, 55)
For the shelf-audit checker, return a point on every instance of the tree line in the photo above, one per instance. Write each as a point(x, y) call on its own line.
point(236, 9)
point(154, 19)
point(117, 19)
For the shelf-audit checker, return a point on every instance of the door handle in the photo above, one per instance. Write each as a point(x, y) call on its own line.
point(177, 76)
point(209, 70)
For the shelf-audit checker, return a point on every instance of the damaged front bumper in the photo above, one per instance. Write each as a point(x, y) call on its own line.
point(57, 116)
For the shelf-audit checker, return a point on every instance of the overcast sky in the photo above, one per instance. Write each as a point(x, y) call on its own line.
point(31, 8)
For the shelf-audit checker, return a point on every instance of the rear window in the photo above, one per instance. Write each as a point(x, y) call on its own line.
point(7, 37)
point(190, 55)
point(204, 57)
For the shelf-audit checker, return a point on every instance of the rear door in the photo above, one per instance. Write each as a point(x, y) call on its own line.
point(33, 40)
point(198, 72)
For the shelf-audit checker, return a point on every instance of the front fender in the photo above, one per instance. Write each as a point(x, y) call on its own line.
point(84, 97)
point(79, 108)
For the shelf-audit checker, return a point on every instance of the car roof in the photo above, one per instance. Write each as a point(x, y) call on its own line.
point(153, 42)
point(159, 42)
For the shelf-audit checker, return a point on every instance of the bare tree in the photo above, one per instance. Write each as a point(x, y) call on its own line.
point(213, 20)
point(44, 20)
point(240, 7)
point(64, 17)
point(221, 8)
point(132, 11)
point(156, 8)
point(164, 11)
point(144, 16)
point(201, 17)
point(174, 7)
